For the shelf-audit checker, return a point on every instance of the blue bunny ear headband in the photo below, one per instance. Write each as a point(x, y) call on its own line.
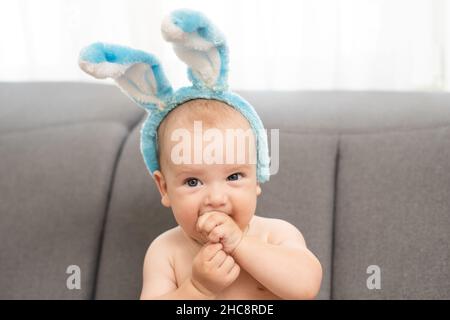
point(198, 43)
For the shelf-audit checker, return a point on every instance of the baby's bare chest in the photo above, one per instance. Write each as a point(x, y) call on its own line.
point(244, 287)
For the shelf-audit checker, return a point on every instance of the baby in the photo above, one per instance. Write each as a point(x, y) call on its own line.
point(221, 249)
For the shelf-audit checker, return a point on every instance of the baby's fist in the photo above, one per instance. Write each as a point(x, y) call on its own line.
point(218, 227)
point(213, 270)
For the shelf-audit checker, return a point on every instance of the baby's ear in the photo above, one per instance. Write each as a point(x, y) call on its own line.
point(161, 184)
point(198, 43)
point(137, 73)
point(258, 189)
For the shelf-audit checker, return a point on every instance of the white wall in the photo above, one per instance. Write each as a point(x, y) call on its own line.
point(274, 44)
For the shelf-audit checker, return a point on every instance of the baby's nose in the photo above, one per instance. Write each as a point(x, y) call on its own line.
point(216, 197)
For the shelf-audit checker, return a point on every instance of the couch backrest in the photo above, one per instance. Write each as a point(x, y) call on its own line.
point(364, 176)
point(59, 145)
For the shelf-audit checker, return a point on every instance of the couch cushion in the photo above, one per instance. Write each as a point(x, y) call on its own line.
point(26, 106)
point(302, 193)
point(54, 188)
point(393, 211)
point(393, 185)
point(135, 218)
point(350, 111)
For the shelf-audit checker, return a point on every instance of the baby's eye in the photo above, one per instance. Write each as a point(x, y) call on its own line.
point(234, 176)
point(191, 182)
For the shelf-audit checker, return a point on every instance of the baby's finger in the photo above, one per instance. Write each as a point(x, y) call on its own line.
point(219, 258)
point(234, 272)
point(211, 223)
point(201, 220)
point(207, 221)
point(210, 250)
point(217, 234)
point(228, 264)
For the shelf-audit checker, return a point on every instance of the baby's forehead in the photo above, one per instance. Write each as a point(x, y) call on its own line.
point(208, 130)
point(201, 114)
point(210, 113)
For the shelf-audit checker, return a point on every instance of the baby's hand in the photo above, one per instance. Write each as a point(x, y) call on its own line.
point(213, 270)
point(219, 227)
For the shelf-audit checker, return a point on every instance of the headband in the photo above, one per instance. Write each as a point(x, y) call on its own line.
point(199, 44)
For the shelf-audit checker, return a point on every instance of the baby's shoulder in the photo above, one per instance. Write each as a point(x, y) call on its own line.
point(163, 246)
point(280, 231)
point(168, 239)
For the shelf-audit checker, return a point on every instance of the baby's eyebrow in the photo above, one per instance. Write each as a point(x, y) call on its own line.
point(189, 171)
point(240, 167)
point(198, 172)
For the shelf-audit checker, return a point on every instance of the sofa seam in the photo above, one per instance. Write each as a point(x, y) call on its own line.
point(334, 212)
point(101, 238)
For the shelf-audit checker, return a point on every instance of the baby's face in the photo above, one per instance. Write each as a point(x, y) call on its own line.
point(196, 189)
point(192, 189)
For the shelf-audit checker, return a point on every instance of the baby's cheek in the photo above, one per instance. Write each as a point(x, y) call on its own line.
point(186, 216)
point(245, 210)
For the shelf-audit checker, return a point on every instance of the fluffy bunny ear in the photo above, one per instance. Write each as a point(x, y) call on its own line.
point(137, 73)
point(200, 45)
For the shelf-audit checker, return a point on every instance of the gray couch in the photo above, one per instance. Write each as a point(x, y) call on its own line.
point(364, 175)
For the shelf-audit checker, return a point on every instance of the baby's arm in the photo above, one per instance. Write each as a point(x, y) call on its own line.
point(159, 278)
point(285, 266)
point(294, 272)
point(212, 271)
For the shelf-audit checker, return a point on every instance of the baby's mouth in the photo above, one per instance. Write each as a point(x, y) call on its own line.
point(211, 211)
